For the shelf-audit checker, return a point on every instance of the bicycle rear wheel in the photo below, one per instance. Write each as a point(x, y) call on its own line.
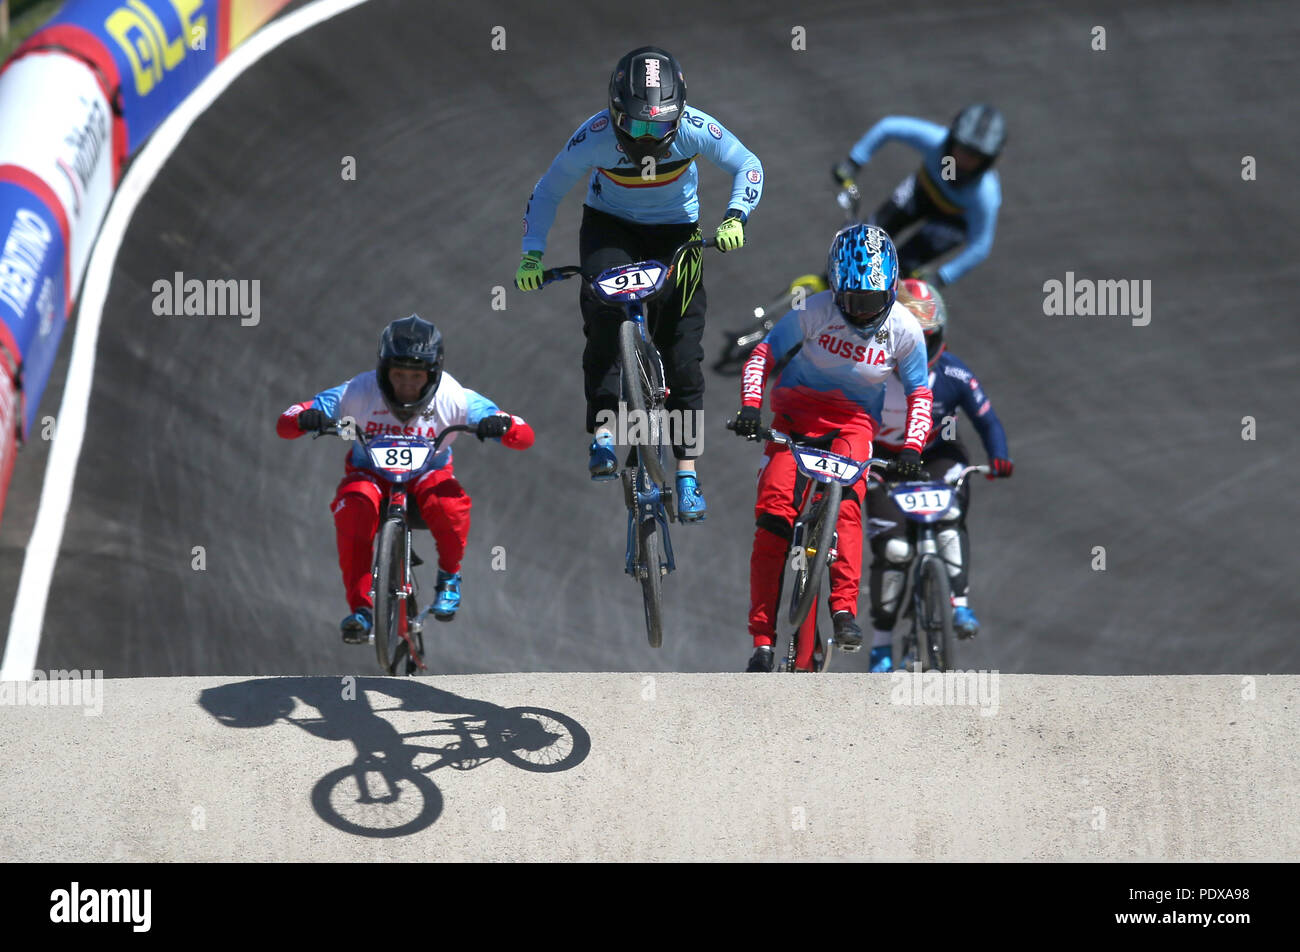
point(390, 609)
point(643, 389)
point(935, 633)
point(649, 553)
point(809, 565)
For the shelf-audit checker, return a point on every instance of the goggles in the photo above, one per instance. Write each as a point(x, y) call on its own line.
point(644, 128)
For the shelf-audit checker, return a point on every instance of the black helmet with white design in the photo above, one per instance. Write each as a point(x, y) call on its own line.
point(416, 344)
point(647, 96)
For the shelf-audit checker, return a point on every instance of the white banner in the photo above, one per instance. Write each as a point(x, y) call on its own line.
point(58, 126)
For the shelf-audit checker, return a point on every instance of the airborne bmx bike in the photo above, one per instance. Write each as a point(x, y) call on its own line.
point(648, 489)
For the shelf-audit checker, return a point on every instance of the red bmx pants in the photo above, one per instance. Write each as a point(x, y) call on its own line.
point(441, 501)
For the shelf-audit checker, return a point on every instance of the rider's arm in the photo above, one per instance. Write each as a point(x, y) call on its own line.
point(981, 223)
point(979, 410)
point(286, 427)
point(568, 166)
point(518, 437)
point(914, 373)
point(785, 336)
point(728, 153)
point(918, 133)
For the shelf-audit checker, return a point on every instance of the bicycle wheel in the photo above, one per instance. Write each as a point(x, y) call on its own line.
point(643, 388)
point(810, 565)
point(390, 617)
point(935, 623)
point(648, 552)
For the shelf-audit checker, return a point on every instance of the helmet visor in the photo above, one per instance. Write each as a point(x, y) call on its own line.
point(863, 307)
point(644, 128)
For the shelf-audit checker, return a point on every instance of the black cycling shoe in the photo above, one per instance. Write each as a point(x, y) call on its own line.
point(847, 633)
point(761, 660)
point(356, 627)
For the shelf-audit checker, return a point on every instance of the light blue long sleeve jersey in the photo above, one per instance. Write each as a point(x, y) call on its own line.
point(977, 202)
point(616, 186)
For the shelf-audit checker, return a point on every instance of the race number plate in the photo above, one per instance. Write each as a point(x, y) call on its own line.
point(923, 502)
point(399, 459)
point(834, 467)
point(631, 282)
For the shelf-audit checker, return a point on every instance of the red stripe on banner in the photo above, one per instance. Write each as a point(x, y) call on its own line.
point(25, 179)
point(74, 41)
point(9, 436)
point(223, 29)
point(9, 344)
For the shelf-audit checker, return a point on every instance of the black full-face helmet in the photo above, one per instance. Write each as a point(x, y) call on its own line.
point(416, 344)
point(647, 95)
point(979, 128)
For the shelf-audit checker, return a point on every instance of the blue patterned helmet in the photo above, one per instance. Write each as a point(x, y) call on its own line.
point(863, 271)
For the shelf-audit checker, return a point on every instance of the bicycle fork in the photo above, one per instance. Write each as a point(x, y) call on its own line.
point(644, 502)
point(405, 593)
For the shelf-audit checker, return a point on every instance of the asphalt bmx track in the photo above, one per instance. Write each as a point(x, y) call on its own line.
point(1124, 163)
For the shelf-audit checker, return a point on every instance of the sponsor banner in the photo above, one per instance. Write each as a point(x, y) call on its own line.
point(58, 128)
point(32, 289)
point(162, 50)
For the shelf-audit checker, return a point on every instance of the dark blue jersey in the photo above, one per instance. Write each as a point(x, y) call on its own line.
point(955, 387)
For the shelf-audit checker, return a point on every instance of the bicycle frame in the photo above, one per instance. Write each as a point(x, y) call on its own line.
point(922, 536)
point(403, 467)
point(647, 487)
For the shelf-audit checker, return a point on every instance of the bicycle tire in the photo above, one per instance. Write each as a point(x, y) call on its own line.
point(649, 549)
point(389, 561)
point(809, 571)
point(643, 380)
point(935, 622)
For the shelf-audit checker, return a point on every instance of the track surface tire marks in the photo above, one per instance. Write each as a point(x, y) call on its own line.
point(1122, 164)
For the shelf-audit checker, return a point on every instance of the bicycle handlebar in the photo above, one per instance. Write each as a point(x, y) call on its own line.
point(333, 428)
point(564, 272)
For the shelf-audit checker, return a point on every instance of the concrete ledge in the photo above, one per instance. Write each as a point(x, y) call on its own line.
point(655, 767)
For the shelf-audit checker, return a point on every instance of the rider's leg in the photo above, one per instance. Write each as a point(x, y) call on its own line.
point(774, 512)
point(951, 536)
point(356, 518)
point(445, 507)
point(604, 241)
point(934, 239)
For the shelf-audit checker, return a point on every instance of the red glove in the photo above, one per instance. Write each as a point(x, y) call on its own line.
point(1001, 467)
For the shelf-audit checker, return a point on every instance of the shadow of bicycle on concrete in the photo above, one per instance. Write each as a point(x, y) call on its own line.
point(386, 790)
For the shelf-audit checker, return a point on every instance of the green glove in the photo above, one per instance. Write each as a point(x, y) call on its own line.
point(731, 234)
point(529, 275)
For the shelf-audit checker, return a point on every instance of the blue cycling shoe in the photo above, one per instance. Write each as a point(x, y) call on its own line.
point(964, 622)
point(882, 661)
point(604, 462)
point(356, 627)
point(448, 600)
point(690, 501)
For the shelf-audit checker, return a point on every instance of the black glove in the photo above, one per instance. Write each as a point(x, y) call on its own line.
point(908, 466)
point(495, 425)
point(312, 419)
point(844, 172)
point(748, 422)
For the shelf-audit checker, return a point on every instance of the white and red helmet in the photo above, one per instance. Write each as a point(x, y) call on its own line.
point(931, 313)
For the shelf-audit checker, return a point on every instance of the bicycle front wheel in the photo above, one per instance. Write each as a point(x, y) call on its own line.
point(643, 388)
point(934, 600)
point(390, 609)
point(649, 553)
point(809, 560)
